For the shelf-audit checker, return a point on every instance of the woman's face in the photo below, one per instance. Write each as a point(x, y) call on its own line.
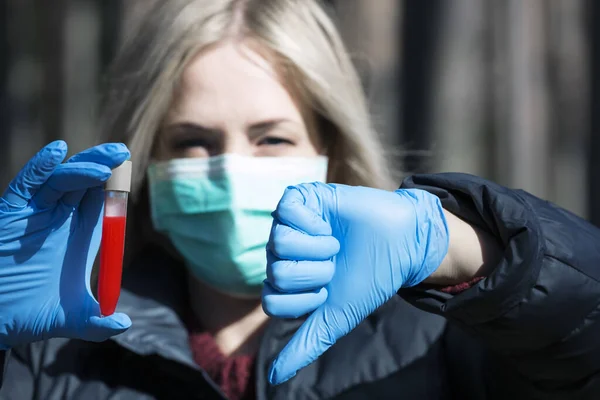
point(231, 101)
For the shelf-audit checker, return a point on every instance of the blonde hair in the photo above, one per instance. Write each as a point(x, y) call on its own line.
point(145, 75)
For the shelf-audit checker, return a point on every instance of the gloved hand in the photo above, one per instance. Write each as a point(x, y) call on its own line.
point(343, 251)
point(50, 230)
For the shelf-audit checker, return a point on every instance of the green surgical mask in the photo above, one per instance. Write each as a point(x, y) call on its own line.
point(217, 212)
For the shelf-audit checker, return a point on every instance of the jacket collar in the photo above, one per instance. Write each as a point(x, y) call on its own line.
point(152, 297)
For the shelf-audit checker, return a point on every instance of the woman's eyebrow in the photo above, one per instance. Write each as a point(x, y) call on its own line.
point(260, 128)
point(190, 127)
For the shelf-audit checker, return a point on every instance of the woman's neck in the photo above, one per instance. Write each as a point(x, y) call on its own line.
point(236, 324)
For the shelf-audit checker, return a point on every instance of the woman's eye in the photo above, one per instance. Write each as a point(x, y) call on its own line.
point(274, 141)
point(184, 144)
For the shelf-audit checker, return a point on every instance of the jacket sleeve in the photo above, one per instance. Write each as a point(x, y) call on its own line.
point(539, 307)
point(4, 355)
point(18, 378)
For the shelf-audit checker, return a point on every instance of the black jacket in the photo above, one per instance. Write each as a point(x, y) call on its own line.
point(530, 330)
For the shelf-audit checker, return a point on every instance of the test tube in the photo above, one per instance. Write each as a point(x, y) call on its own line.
point(112, 246)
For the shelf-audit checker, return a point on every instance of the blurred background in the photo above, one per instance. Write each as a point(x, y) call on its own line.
point(509, 90)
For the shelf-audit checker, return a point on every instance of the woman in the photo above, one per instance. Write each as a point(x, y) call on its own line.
point(223, 105)
point(206, 89)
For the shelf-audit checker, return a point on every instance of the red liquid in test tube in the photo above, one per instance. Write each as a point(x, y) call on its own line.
point(112, 246)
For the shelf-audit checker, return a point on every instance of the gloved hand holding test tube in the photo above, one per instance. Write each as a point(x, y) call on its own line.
point(113, 238)
point(50, 220)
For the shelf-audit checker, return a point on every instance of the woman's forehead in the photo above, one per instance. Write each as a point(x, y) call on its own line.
point(232, 80)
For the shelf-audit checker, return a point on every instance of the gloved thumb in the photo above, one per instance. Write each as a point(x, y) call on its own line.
point(99, 329)
point(317, 334)
point(304, 207)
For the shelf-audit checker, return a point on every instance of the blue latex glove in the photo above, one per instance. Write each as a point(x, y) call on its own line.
point(50, 230)
point(343, 251)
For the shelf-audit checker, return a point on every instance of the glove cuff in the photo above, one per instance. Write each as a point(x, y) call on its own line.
point(432, 235)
